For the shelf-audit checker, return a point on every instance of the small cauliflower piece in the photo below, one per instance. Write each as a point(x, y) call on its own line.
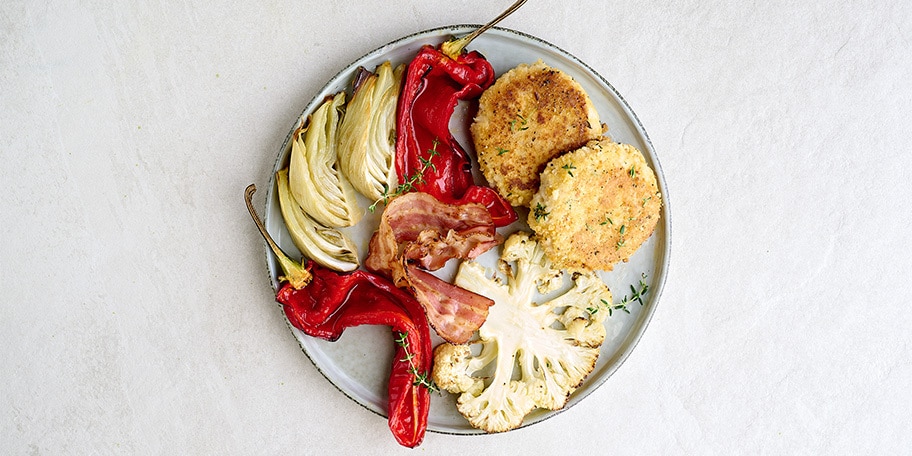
point(552, 346)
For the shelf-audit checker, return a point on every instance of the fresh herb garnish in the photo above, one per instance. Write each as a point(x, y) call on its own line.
point(620, 306)
point(501, 151)
point(540, 212)
point(522, 123)
point(569, 167)
point(421, 378)
point(636, 295)
point(409, 184)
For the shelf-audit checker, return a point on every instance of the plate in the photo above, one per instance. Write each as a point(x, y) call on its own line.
point(358, 363)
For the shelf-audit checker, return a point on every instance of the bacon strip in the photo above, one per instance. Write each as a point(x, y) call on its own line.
point(431, 251)
point(418, 233)
point(454, 312)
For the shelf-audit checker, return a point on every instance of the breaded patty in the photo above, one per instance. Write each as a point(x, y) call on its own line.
point(596, 206)
point(530, 115)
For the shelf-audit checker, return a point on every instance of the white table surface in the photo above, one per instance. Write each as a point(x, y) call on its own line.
point(136, 313)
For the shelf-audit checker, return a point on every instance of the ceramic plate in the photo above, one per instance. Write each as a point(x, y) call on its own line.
point(358, 363)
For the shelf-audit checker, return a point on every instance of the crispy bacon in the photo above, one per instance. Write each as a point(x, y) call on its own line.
point(431, 250)
point(419, 233)
point(454, 312)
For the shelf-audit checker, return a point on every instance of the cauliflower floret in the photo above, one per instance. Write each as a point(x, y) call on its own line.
point(453, 362)
point(554, 344)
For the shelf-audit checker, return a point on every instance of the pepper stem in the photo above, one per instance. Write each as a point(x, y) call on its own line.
point(453, 48)
point(295, 273)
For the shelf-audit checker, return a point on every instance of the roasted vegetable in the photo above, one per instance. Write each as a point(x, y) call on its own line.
point(428, 157)
point(313, 175)
point(552, 345)
point(367, 136)
point(323, 303)
point(326, 246)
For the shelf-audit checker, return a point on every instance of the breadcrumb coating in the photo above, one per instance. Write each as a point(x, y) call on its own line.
point(596, 206)
point(530, 115)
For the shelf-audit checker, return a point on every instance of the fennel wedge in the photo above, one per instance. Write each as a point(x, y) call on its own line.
point(367, 136)
point(327, 246)
point(313, 175)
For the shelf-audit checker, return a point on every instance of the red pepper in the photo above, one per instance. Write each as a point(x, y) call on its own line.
point(322, 303)
point(334, 301)
point(434, 83)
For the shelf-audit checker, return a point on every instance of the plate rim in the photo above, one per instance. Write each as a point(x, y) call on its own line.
point(636, 333)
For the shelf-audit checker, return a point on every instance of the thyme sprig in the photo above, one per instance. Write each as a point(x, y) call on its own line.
point(421, 378)
point(636, 295)
point(611, 307)
point(415, 179)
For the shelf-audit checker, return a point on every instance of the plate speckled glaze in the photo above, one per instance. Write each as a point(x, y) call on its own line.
point(358, 363)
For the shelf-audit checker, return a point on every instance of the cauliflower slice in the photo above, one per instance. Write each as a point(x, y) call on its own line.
point(531, 355)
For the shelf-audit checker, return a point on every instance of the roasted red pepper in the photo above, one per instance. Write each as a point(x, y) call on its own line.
point(322, 303)
point(334, 301)
point(434, 83)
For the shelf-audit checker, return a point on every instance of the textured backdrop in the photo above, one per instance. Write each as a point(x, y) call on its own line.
point(136, 312)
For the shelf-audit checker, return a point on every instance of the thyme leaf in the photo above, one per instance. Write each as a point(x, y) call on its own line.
point(522, 123)
point(620, 242)
point(540, 212)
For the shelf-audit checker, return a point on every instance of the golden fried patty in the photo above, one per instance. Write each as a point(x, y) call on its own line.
point(596, 206)
point(530, 115)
